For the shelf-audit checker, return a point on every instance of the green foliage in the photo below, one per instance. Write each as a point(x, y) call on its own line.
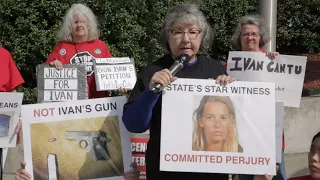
point(131, 28)
point(298, 26)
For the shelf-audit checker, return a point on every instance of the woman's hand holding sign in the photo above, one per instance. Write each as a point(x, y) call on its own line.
point(224, 80)
point(57, 64)
point(22, 174)
point(272, 55)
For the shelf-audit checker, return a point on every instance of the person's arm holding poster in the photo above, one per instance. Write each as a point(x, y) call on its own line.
point(271, 55)
point(53, 58)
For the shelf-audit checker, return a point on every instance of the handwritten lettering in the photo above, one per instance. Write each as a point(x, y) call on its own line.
point(246, 64)
point(115, 76)
point(116, 84)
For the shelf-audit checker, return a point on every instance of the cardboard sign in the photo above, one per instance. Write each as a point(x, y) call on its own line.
point(82, 140)
point(287, 72)
point(67, 84)
point(223, 129)
point(114, 73)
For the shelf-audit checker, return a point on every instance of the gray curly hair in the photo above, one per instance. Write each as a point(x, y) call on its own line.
point(78, 9)
point(186, 13)
point(235, 41)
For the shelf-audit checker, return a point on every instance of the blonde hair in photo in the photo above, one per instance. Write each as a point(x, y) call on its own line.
point(199, 141)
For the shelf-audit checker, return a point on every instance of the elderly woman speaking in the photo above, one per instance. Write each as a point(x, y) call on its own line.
point(185, 31)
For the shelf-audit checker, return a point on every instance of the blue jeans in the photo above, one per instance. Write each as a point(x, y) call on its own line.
point(281, 172)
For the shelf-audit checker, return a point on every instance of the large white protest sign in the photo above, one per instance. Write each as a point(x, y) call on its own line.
point(114, 73)
point(67, 84)
point(287, 72)
point(82, 140)
point(279, 130)
point(222, 129)
point(10, 107)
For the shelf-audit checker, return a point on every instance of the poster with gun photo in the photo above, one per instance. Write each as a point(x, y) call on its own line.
point(85, 139)
point(10, 106)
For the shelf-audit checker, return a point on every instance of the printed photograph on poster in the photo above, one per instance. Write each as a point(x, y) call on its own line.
point(6, 124)
point(286, 71)
point(138, 149)
point(67, 84)
point(114, 73)
point(10, 108)
point(85, 140)
point(79, 145)
point(216, 123)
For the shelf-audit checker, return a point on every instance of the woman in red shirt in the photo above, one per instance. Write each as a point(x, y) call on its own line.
point(10, 80)
point(10, 75)
point(79, 44)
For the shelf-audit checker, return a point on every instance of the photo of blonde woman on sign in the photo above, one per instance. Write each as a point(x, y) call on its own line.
point(215, 125)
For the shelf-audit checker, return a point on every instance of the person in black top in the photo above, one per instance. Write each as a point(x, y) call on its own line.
point(185, 31)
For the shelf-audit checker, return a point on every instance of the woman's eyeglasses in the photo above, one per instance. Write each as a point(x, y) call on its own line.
point(254, 35)
point(191, 34)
